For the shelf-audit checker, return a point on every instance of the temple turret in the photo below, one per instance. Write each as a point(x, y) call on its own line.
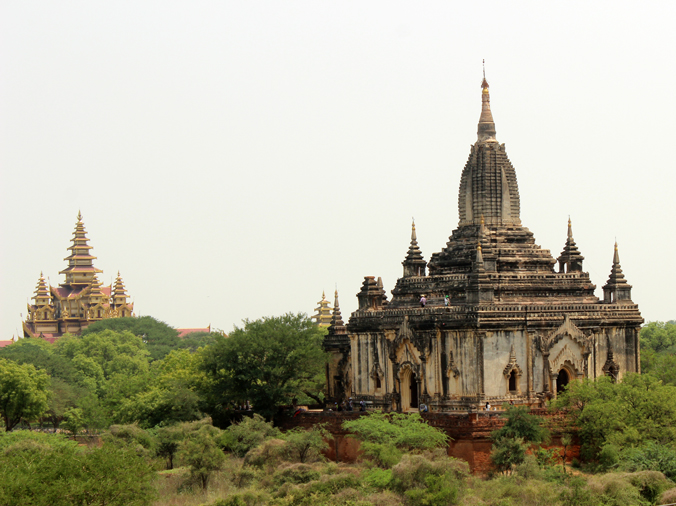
point(323, 312)
point(337, 326)
point(119, 305)
point(372, 295)
point(80, 270)
point(570, 259)
point(41, 297)
point(414, 263)
point(42, 309)
point(616, 289)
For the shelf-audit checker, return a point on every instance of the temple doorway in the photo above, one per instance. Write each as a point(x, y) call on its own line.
point(414, 391)
point(409, 390)
point(562, 380)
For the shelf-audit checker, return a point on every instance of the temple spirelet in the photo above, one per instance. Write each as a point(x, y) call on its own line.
point(503, 320)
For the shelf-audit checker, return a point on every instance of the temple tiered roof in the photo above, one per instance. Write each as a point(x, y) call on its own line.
point(323, 315)
point(80, 270)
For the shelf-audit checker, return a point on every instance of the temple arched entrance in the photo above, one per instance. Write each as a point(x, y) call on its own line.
point(409, 389)
point(562, 380)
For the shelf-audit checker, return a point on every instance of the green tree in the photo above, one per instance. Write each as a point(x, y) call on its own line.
point(306, 445)
point(626, 414)
point(521, 424)
point(202, 454)
point(73, 420)
point(659, 336)
point(241, 437)
point(23, 392)
point(171, 392)
point(159, 337)
point(385, 436)
point(268, 362)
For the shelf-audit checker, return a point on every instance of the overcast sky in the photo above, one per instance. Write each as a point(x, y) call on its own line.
point(234, 159)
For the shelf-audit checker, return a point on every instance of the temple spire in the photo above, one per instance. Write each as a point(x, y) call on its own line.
point(80, 270)
point(616, 289)
point(486, 131)
point(570, 259)
point(119, 298)
point(414, 263)
point(337, 326)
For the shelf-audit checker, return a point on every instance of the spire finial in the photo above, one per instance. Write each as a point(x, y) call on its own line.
point(79, 215)
point(484, 65)
point(486, 131)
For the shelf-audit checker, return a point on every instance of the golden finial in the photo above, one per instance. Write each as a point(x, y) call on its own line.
point(484, 83)
point(482, 220)
point(79, 215)
point(323, 295)
point(478, 246)
point(615, 244)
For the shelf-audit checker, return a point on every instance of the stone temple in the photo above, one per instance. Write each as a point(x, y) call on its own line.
point(503, 320)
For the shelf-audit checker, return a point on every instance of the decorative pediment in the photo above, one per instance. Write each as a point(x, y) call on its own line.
point(376, 372)
point(567, 328)
point(414, 368)
point(512, 365)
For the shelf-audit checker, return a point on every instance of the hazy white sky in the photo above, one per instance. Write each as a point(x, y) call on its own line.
point(234, 159)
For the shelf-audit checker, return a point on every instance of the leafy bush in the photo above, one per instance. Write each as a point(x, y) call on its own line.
point(134, 435)
point(378, 478)
point(521, 424)
point(241, 437)
point(38, 473)
point(385, 436)
point(296, 474)
point(652, 457)
point(270, 454)
point(508, 453)
point(306, 445)
point(202, 455)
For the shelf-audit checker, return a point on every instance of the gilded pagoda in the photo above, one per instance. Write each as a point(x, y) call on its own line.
point(492, 317)
point(322, 317)
point(80, 300)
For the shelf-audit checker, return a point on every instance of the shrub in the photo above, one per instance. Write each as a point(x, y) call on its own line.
point(413, 470)
point(508, 452)
point(270, 454)
point(241, 437)
point(306, 445)
point(134, 435)
point(203, 457)
point(248, 498)
point(385, 436)
point(651, 457)
point(521, 424)
point(296, 474)
point(378, 478)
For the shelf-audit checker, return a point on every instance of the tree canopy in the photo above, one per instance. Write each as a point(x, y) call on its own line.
point(159, 337)
point(23, 392)
point(268, 362)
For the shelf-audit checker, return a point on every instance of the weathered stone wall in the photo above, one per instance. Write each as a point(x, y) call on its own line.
point(470, 434)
